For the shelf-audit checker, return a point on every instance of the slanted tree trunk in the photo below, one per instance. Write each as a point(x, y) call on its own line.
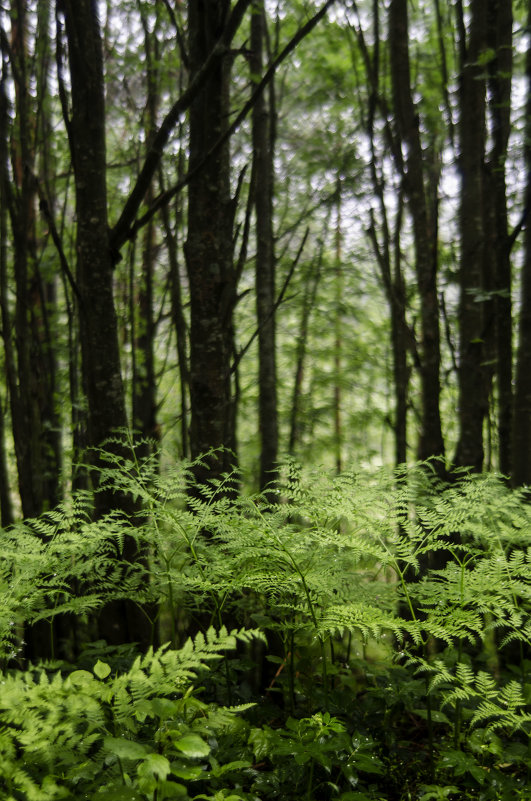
point(263, 135)
point(473, 376)
point(209, 251)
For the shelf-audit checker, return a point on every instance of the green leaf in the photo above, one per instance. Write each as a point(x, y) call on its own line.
point(436, 715)
point(219, 770)
point(157, 765)
point(80, 677)
point(125, 749)
point(168, 789)
point(101, 669)
point(189, 773)
point(192, 745)
point(116, 792)
point(163, 707)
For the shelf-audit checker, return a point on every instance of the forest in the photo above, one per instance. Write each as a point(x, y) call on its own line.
point(265, 406)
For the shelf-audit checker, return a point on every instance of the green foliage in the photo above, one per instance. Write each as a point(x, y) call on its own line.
point(397, 615)
point(123, 733)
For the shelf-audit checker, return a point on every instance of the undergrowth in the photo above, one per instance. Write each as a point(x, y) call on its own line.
point(365, 637)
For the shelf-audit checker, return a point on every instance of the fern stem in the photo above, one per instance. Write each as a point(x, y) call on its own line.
point(292, 671)
point(349, 645)
point(311, 606)
point(310, 781)
point(429, 721)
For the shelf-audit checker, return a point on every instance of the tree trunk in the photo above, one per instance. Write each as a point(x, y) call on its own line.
point(31, 363)
point(311, 285)
point(338, 335)
point(144, 389)
point(500, 25)
point(521, 441)
point(209, 252)
point(121, 621)
point(473, 377)
point(416, 181)
point(6, 506)
point(263, 135)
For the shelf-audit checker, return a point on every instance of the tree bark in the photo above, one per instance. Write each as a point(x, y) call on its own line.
point(30, 355)
point(473, 376)
point(121, 621)
point(144, 389)
point(263, 136)
point(500, 29)
point(209, 252)
point(6, 505)
point(521, 432)
point(416, 181)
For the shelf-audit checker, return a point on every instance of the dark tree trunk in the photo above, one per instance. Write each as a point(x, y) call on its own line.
point(311, 285)
point(144, 389)
point(416, 183)
point(388, 256)
point(500, 25)
point(6, 506)
point(338, 337)
point(209, 251)
point(144, 401)
point(30, 363)
point(473, 376)
point(29, 346)
point(386, 243)
point(263, 134)
point(98, 326)
point(521, 441)
point(179, 319)
point(120, 621)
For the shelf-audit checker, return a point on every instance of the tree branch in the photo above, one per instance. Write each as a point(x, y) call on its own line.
point(122, 230)
point(125, 229)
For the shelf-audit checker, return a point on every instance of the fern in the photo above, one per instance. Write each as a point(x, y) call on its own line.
point(55, 722)
point(335, 561)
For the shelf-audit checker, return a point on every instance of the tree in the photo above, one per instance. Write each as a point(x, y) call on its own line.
point(210, 248)
point(474, 375)
point(30, 360)
point(521, 431)
point(500, 72)
point(418, 179)
point(107, 419)
point(263, 136)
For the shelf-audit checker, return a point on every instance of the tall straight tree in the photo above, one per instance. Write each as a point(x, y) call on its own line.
point(263, 135)
point(417, 184)
point(209, 248)
point(29, 358)
point(500, 34)
point(6, 505)
point(521, 439)
point(144, 385)
point(122, 621)
point(473, 375)
point(94, 273)
point(384, 235)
